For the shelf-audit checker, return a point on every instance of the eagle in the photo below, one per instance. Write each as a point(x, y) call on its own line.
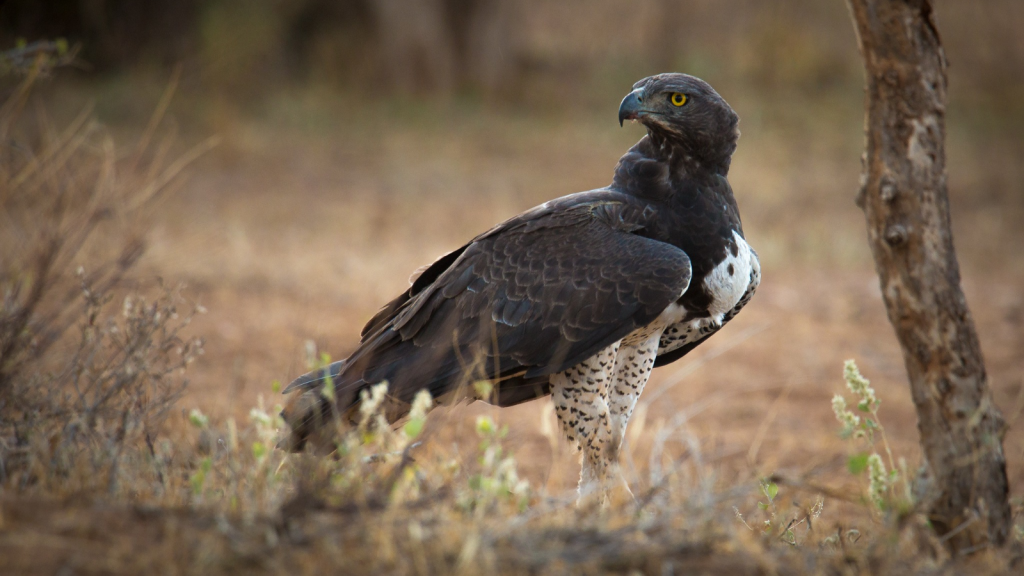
point(579, 298)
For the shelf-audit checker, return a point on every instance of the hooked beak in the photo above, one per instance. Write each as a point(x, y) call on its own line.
point(631, 106)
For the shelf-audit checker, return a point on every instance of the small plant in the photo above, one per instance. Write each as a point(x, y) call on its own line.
point(773, 526)
point(421, 404)
point(770, 490)
point(882, 484)
point(39, 57)
point(498, 479)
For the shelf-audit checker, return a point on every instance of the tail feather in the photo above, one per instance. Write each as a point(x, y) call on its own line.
point(317, 378)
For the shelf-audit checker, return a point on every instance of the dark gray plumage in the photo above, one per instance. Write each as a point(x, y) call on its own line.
point(657, 254)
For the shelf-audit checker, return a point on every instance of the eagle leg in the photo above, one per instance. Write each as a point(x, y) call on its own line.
point(633, 365)
point(594, 401)
point(580, 395)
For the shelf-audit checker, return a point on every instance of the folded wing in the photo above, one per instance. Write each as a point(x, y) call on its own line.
point(530, 298)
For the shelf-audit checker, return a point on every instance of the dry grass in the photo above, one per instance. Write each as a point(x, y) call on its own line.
point(88, 368)
point(306, 219)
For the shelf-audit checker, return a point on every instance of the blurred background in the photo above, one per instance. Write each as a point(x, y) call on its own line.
point(360, 139)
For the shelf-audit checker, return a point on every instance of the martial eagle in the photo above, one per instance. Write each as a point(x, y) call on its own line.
point(580, 297)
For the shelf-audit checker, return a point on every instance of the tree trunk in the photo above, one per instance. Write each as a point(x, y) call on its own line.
point(904, 198)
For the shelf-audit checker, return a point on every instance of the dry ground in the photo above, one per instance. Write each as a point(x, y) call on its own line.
point(309, 216)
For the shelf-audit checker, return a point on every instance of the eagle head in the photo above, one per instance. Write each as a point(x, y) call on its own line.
point(684, 111)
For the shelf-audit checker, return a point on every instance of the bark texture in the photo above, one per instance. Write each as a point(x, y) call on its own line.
point(963, 488)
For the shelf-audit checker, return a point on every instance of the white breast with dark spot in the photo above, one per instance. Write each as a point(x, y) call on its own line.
point(731, 284)
point(728, 281)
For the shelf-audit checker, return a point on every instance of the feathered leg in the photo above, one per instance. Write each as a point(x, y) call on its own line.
point(633, 365)
point(580, 395)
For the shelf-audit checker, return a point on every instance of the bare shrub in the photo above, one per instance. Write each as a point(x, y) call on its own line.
point(82, 380)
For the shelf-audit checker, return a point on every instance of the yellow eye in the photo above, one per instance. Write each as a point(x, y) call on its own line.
point(677, 99)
